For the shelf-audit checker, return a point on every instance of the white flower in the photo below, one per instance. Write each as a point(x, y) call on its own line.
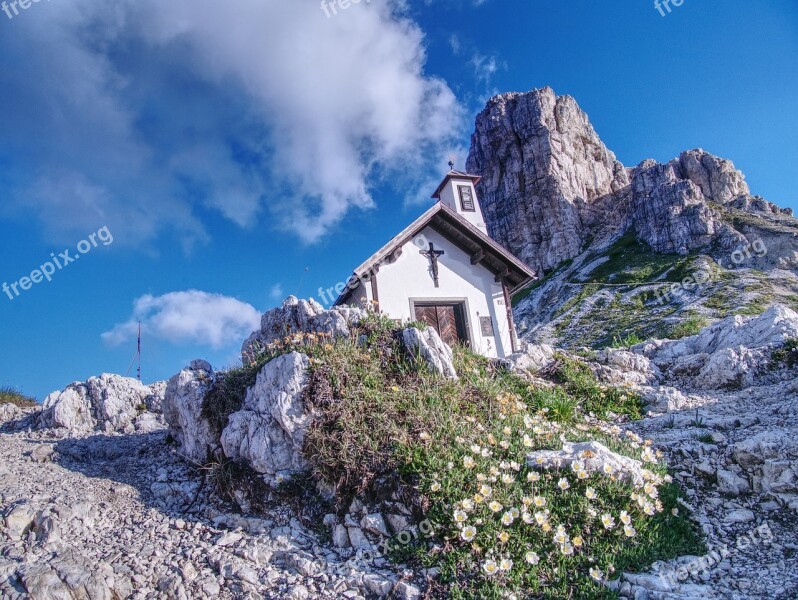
point(625, 518)
point(515, 466)
point(629, 531)
point(532, 558)
point(539, 501)
point(675, 511)
point(651, 490)
point(608, 469)
point(533, 476)
point(563, 484)
point(468, 462)
point(460, 516)
point(649, 509)
point(507, 479)
point(577, 466)
point(596, 574)
point(541, 518)
point(567, 549)
point(468, 533)
point(608, 521)
point(490, 567)
point(591, 493)
point(505, 564)
point(507, 519)
point(476, 449)
point(435, 487)
point(649, 455)
point(528, 441)
point(485, 490)
point(495, 506)
point(527, 518)
point(467, 504)
point(504, 444)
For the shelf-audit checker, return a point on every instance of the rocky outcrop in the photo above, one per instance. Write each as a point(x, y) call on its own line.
point(300, 316)
point(550, 186)
point(104, 403)
point(269, 432)
point(730, 353)
point(182, 409)
point(545, 173)
point(427, 347)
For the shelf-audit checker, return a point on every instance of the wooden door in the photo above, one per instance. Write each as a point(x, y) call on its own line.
point(447, 319)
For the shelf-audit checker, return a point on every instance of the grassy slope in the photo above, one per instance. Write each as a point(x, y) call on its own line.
point(619, 300)
point(11, 396)
point(386, 425)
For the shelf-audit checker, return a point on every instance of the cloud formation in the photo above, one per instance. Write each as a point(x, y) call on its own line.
point(156, 116)
point(188, 317)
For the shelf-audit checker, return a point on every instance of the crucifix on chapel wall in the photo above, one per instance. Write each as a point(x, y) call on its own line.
point(432, 254)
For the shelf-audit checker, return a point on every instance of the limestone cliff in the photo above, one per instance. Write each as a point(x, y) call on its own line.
point(554, 195)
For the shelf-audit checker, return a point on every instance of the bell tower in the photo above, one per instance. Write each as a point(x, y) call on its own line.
point(458, 192)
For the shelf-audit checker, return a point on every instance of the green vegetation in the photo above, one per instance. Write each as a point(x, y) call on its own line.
point(787, 355)
point(632, 262)
point(690, 326)
point(519, 296)
point(631, 339)
point(705, 438)
point(452, 449)
point(11, 396)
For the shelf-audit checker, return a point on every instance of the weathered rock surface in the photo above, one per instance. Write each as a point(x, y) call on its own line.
point(182, 409)
point(123, 516)
point(549, 184)
point(104, 403)
point(300, 316)
point(427, 347)
point(269, 432)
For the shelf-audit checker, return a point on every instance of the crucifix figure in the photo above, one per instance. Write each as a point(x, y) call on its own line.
point(432, 254)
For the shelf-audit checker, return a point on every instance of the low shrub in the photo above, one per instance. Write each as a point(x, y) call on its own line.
point(11, 396)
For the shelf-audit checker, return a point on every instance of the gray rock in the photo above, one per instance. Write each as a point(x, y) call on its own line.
point(269, 431)
point(300, 316)
point(428, 348)
point(731, 484)
point(182, 409)
point(107, 403)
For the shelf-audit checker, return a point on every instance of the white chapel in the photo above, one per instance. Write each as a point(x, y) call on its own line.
point(445, 270)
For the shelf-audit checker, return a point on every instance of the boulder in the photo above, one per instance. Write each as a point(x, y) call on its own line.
point(429, 349)
point(104, 403)
point(535, 358)
point(300, 316)
point(269, 432)
point(594, 455)
point(182, 409)
point(729, 353)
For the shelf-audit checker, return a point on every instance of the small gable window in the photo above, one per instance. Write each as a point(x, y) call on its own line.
point(466, 198)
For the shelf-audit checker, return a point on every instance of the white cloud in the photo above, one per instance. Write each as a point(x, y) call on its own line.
point(276, 293)
point(191, 316)
point(265, 111)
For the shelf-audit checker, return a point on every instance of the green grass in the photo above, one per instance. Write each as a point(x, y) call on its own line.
point(632, 262)
point(627, 341)
point(524, 293)
point(11, 396)
point(387, 426)
point(690, 326)
point(786, 356)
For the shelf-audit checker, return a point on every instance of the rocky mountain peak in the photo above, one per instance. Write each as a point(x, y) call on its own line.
point(550, 186)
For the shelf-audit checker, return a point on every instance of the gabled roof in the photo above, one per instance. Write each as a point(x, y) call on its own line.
point(454, 175)
point(482, 249)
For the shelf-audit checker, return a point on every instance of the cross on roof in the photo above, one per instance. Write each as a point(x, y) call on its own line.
point(432, 254)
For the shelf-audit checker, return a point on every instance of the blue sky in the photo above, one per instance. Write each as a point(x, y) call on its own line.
point(241, 152)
